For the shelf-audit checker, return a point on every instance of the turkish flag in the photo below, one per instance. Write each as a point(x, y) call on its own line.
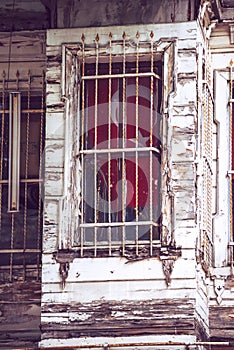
point(128, 180)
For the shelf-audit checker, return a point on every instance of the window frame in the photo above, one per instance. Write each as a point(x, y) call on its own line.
point(68, 205)
point(223, 241)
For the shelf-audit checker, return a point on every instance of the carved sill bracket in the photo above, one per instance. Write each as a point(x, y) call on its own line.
point(219, 288)
point(168, 256)
point(168, 266)
point(64, 258)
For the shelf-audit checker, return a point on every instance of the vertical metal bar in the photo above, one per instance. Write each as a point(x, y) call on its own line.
point(109, 144)
point(26, 166)
point(230, 154)
point(82, 141)
point(151, 138)
point(124, 144)
point(42, 116)
point(12, 244)
point(64, 76)
point(13, 214)
point(137, 124)
point(14, 152)
point(95, 146)
point(2, 142)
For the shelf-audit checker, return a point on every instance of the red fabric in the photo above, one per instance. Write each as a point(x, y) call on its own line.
point(114, 127)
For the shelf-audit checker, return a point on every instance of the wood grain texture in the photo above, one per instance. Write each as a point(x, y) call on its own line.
point(118, 319)
point(20, 314)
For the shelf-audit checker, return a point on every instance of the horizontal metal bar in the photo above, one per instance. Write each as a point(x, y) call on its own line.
point(30, 268)
point(121, 75)
point(119, 224)
point(9, 251)
point(6, 111)
point(128, 242)
point(31, 180)
point(230, 172)
point(116, 244)
point(119, 150)
point(24, 181)
point(21, 79)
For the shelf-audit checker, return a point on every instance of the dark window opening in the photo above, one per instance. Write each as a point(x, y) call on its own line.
point(120, 155)
point(21, 230)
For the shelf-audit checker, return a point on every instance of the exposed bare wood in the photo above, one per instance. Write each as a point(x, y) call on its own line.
point(118, 320)
point(23, 330)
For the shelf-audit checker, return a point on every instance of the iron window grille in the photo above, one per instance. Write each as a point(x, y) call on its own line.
point(120, 153)
point(21, 220)
point(116, 93)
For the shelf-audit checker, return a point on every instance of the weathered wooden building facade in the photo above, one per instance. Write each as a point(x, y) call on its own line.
point(116, 174)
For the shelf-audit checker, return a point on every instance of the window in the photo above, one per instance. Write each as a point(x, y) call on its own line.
point(118, 160)
point(21, 222)
point(120, 151)
point(116, 89)
point(222, 169)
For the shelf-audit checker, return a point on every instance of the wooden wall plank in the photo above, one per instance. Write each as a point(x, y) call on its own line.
point(20, 314)
point(115, 319)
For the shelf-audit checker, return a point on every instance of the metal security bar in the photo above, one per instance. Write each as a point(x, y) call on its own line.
point(14, 151)
point(208, 122)
point(21, 107)
point(120, 147)
point(231, 172)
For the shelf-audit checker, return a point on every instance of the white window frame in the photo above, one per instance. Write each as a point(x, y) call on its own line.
point(69, 209)
point(221, 219)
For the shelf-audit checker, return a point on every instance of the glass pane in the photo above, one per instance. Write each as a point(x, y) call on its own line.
point(102, 235)
point(6, 220)
point(88, 237)
point(121, 174)
point(89, 188)
point(102, 186)
point(156, 185)
point(30, 143)
point(4, 146)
